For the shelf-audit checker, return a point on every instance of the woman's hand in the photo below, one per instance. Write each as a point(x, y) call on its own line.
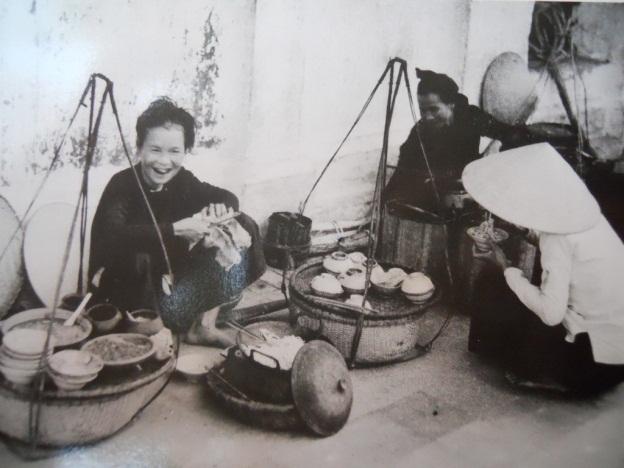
point(192, 229)
point(495, 255)
point(214, 212)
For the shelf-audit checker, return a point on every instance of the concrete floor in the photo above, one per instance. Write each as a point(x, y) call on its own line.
point(446, 409)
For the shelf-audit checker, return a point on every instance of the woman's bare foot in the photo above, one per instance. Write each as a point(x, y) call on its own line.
point(205, 332)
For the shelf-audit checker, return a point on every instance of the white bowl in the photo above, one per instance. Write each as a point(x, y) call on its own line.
point(18, 376)
point(75, 363)
point(419, 298)
point(192, 366)
point(64, 384)
point(337, 262)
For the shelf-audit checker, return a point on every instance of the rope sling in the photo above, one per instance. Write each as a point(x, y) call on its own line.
point(396, 72)
point(80, 216)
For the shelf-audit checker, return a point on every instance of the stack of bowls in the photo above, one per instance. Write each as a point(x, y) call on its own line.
point(72, 369)
point(20, 354)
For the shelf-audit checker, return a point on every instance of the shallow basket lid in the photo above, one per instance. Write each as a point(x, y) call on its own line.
point(321, 387)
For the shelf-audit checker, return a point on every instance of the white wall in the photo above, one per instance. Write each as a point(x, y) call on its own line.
point(315, 64)
point(148, 48)
point(292, 77)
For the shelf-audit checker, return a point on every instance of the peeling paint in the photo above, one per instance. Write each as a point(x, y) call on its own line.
point(204, 97)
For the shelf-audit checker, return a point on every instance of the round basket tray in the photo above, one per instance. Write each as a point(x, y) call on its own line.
point(99, 410)
point(274, 416)
point(386, 336)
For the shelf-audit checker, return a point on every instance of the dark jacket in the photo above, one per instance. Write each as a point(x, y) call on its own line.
point(123, 231)
point(448, 152)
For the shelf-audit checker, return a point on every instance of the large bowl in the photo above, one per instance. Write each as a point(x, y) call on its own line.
point(120, 340)
point(38, 319)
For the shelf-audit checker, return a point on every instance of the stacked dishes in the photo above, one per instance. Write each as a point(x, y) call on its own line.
point(72, 369)
point(20, 354)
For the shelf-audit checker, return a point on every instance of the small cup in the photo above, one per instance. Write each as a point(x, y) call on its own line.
point(144, 321)
point(105, 317)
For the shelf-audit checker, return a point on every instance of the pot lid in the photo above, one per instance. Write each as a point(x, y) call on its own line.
point(321, 387)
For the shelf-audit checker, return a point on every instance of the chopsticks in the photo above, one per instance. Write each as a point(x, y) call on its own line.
point(237, 326)
point(228, 384)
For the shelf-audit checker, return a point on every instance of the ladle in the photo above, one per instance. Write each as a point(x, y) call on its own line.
point(74, 316)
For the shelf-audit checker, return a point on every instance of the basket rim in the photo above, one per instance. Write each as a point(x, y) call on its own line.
point(351, 320)
point(84, 395)
point(353, 312)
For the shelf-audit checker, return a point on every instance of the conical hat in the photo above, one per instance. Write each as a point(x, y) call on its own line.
point(532, 186)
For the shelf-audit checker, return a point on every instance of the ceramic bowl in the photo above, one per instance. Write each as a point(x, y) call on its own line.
point(337, 262)
point(64, 382)
point(482, 243)
point(144, 321)
point(326, 294)
point(353, 280)
point(326, 278)
point(104, 317)
point(18, 376)
point(419, 298)
point(386, 289)
point(75, 364)
point(192, 366)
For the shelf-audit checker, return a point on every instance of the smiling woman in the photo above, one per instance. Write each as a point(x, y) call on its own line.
point(127, 261)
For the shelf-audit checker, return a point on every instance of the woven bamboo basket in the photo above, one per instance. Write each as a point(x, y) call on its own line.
point(386, 336)
point(274, 416)
point(84, 416)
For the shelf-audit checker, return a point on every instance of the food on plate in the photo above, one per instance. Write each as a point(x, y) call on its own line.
point(119, 348)
point(326, 284)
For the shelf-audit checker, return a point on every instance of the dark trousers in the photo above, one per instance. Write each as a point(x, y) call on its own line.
point(200, 284)
point(503, 329)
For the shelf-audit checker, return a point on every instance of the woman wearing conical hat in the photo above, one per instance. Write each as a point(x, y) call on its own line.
point(568, 331)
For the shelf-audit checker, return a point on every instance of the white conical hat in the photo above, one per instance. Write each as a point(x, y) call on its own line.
point(532, 186)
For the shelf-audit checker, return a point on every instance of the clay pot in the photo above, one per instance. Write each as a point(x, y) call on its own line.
point(144, 321)
point(104, 317)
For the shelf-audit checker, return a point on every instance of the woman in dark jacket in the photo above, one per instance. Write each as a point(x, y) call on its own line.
point(127, 261)
point(449, 132)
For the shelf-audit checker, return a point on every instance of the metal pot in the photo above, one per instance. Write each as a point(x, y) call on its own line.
point(257, 381)
point(256, 373)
